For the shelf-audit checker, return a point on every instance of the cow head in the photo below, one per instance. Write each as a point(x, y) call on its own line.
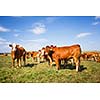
point(14, 46)
point(32, 53)
point(28, 55)
point(52, 48)
point(48, 50)
point(14, 49)
point(45, 50)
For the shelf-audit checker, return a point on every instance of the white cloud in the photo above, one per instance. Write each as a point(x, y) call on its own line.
point(1, 39)
point(83, 35)
point(38, 28)
point(96, 23)
point(97, 17)
point(16, 35)
point(3, 29)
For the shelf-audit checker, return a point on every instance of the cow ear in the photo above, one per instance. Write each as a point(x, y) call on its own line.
point(10, 45)
point(17, 46)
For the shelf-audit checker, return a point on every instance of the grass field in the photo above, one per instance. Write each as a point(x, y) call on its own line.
point(42, 73)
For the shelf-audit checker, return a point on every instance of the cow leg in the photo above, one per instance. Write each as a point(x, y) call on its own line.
point(95, 58)
point(50, 61)
point(42, 58)
point(72, 61)
point(13, 63)
point(60, 62)
point(38, 60)
point(35, 59)
point(85, 57)
point(77, 62)
point(65, 63)
point(18, 62)
point(24, 60)
point(57, 64)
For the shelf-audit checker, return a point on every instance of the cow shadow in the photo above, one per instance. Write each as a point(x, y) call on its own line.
point(72, 67)
point(82, 68)
point(30, 65)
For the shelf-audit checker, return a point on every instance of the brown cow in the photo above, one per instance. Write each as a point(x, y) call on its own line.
point(62, 53)
point(28, 54)
point(91, 56)
point(83, 56)
point(47, 54)
point(17, 52)
point(36, 55)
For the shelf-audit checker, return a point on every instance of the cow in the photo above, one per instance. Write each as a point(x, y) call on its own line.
point(64, 53)
point(28, 54)
point(83, 56)
point(17, 52)
point(36, 55)
point(91, 56)
point(47, 54)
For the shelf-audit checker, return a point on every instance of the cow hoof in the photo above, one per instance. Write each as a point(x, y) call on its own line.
point(17, 67)
point(76, 70)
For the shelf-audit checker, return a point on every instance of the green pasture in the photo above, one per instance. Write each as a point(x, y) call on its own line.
point(42, 73)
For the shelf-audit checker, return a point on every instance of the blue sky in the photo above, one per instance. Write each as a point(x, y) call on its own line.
point(35, 32)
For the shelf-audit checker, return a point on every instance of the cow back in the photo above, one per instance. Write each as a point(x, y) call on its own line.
point(67, 52)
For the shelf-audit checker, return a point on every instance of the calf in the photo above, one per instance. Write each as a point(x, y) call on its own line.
point(36, 56)
point(17, 52)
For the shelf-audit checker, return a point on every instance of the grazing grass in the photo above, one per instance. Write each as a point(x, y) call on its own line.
point(42, 73)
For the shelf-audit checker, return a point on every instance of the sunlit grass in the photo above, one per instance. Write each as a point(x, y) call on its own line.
point(42, 73)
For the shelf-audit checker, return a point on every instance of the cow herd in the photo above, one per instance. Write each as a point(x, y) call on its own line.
point(92, 56)
point(53, 54)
